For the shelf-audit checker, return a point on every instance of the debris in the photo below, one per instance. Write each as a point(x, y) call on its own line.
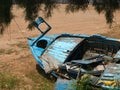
point(70, 56)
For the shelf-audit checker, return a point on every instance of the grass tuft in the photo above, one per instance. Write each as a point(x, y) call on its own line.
point(40, 80)
point(8, 81)
point(83, 83)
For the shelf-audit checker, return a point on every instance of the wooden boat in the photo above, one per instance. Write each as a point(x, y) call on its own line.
point(70, 56)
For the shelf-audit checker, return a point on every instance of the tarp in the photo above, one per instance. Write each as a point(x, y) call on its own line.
point(63, 84)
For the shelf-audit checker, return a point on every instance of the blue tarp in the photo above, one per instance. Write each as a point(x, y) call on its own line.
point(63, 84)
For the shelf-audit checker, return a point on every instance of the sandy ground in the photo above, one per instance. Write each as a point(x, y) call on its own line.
point(87, 22)
point(82, 22)
point(13, 44)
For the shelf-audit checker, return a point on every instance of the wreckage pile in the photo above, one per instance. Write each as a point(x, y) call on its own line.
point(73, 56)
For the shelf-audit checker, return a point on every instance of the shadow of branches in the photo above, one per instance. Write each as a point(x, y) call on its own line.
point(5, 14)
point(50, 5)
point(32, 8)
point(108, 7)
point(76, 5)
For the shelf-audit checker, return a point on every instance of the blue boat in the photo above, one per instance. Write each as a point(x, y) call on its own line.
point(70, 56)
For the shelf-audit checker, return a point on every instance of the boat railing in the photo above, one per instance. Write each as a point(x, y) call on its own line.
point(37, 24)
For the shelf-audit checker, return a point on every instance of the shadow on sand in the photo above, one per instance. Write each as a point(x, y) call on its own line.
point(42, 72)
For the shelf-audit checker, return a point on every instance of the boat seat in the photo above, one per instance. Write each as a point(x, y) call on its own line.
point(117, 57)
point(85, 66)
point(73, 73)
point(88, 64)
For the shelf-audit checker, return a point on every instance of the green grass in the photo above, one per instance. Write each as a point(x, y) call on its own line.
point(83, 83)
point(8, 81)
point(40, 80)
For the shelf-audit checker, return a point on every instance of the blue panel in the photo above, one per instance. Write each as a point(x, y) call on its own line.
point(63, 84)
point(61, 48)
point(34, 54)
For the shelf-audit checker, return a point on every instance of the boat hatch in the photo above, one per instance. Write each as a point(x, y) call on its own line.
point(38, 23)
point(58, 51)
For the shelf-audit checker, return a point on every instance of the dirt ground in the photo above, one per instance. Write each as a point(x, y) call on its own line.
point(15, 56)
point(82, 22)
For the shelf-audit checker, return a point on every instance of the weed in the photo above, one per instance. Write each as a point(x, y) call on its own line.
point(39, 82)
point(7, 81)
point(83, 83)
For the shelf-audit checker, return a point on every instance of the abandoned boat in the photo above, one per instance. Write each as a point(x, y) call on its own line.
point(70, 56)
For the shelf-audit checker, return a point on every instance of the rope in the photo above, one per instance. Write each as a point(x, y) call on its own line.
point(23, 35)
point(19, 28)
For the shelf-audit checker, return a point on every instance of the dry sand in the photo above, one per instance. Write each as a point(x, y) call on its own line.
point(88, 22)
point(15, 57)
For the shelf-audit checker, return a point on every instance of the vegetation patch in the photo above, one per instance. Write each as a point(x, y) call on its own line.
point(8, 81)
point(83, 83)
point(40, 80)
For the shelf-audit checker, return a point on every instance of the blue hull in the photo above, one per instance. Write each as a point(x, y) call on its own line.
point(52, 51)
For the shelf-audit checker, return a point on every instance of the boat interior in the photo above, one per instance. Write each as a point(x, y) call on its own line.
point(92, 54)
point(92, 46)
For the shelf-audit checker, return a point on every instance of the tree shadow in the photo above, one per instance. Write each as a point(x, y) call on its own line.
point(5, 13)
point(76, 5)
point(32, 8)
point(108, 7)
point(50, 5)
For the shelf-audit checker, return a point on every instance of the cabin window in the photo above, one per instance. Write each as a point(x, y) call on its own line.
point(42, 44)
